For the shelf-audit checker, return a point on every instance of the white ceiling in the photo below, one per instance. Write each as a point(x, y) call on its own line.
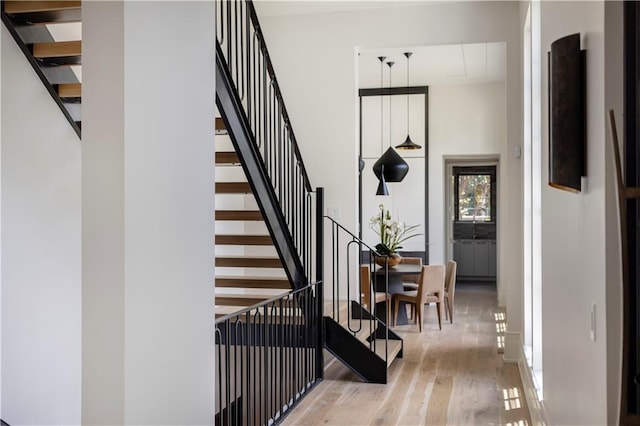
point(303, 7)
point(429, 65)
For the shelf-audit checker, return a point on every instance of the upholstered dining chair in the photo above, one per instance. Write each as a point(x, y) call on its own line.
point(369, 296)
point(450, 289)
point(410, 282)
point(430, 289)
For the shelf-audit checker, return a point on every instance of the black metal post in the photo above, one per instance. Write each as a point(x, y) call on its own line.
point(320, 280)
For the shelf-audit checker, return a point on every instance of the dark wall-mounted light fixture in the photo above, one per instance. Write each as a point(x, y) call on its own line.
point(567, 106)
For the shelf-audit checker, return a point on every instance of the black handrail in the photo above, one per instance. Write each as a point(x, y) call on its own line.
point(347, 239)
point(259, 124)
point(266, 357)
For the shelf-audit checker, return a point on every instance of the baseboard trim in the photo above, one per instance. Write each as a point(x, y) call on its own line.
point(3, 423)
point(514, 353)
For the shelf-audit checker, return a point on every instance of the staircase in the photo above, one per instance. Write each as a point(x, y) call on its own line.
point(269, 224)
point(49, 34)
point(248, 268)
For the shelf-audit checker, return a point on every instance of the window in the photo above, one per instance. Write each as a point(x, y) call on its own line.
point(474, 198)
point(475, 193)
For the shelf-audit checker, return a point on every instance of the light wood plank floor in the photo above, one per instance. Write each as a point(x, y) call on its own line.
point(455, 376)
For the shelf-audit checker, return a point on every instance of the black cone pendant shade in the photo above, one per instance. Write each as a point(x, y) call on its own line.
point(393, 166)
point(408, 143)
point(382, 185)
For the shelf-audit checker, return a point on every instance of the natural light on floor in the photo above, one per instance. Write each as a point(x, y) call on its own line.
point(518, 423)
point(500, 342)
point(511, 398)
point(501, 329)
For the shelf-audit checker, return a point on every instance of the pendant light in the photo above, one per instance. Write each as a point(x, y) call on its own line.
point(382, 185)
point(408, 143)
point(390, 167)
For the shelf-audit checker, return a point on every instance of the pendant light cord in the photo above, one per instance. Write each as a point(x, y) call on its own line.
point(381, 58)
point(408, 55)
point(390, 117)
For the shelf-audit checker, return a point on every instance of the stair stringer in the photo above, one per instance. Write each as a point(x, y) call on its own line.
point(353, 353)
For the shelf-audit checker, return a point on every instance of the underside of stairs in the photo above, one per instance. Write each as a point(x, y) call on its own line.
point(361, 341)
point(248, 268)
point(50, 35)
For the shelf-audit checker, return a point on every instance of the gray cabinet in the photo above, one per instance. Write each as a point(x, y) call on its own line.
point(475, 258)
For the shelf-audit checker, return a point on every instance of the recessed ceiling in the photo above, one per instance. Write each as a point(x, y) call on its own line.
point(429, 65)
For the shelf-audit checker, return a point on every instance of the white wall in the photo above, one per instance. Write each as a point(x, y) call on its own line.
point(614, 97)
point(574, 236)
point(40, 187)
point(466, 120)
point(148, 204)
point(314, 59)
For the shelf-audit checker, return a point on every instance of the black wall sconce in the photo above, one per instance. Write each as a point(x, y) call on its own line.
point(567, 107)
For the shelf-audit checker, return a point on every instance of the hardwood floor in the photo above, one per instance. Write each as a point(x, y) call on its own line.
point(455, 376)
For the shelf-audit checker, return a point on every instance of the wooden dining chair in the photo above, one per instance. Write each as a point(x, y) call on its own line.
point(450, 288)
point(410, 282)
point(430, 289)
point(368, 296)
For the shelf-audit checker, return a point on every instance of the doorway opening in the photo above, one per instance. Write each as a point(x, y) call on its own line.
point(472, 218)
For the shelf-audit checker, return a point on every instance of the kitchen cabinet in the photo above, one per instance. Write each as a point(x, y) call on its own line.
point(475, 258)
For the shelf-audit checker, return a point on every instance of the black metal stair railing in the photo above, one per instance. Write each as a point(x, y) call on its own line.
point(346, 249)
point(268, 357)
point(251, 104)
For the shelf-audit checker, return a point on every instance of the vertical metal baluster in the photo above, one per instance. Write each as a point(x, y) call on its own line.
point(258, 376)
point(248, 41)
point(228, 35)
point(219, 22)
point(247, 400)
point(235, 43)
point(239, 370)
point(337, 285)
point(227, 358)
point(278, 388)
point(334, 268)
point(242, 51)
point(218, 341)
point(274, 360)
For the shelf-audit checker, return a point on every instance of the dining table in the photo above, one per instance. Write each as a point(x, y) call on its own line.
point(394, 286)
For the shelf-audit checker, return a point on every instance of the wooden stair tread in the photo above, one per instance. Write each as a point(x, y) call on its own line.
point(57, 49)
point(394, 349)
point(70, 90)
point(241, 215)
point(249, 261)
point(39, 6)
point(221, 129)
point(227, 157)
point(245, 240)
point(233, 188)
point(252, 282)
